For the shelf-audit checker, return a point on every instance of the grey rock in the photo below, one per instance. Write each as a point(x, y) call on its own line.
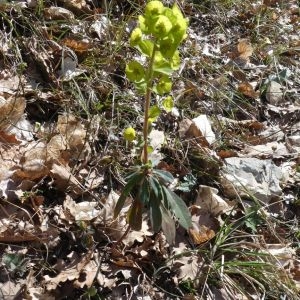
point(251, 177)
point(274, 93)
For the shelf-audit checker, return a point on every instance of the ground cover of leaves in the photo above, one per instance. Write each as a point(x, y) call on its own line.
point(232, 143)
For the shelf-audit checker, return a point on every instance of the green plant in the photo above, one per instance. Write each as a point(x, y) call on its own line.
point(157, 38)
point(15, 263)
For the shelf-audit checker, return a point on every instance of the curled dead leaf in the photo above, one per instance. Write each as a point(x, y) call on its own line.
point(209, 200)
point(199, 129)
point(201, 235)
point(245, 49)
point(247, 90)
point(241, 53)
point(78, 46)
point(12, 109)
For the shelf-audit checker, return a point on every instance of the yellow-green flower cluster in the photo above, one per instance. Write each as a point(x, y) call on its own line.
point(167, 25)
point(160, 31)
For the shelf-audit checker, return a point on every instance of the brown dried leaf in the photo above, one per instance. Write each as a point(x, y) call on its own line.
point(12, 110)
point(241, 53)
point(201, 235)
point(65, 179)
point(272, 2)
point(57, 13)
point(199, 129)
point(245, 49)
point(209, 201)
point(89, 271)
point(184, 126)
point(123, 262)
point(8, 138)
point(137, 236)
point(272, 149)
point(33, 163)
point(247, 89)
point(239, 75)
point(188, 267)
point(75, 135)
point(9, 84)
point(70, 272)
point(80, 47)
point(42, 58)
point(226, 153)
point(83, 211)
point(10, 290)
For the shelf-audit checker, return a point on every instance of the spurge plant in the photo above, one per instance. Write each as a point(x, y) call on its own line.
point(157, 38)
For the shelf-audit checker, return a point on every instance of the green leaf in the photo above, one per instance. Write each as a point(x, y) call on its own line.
point(150, 149)
point(120, 203)
point(92, 291)
point(167, 47)
point(175, 61)
point(133, 173)
point(253, 219)
point(141, 86)
point(188, 182)
point(163, 67)
point(14, 262)
point(135, 71)
point(154, 112)
point(135, 215)
point(168, 103)
point(168, 225)
point(135, 37)
point(146, 47)
point(155, 214)
point(155, 187)
point(164, 176)
point(164, 85)
point(179, 208)
point(144, 192)
point(155, 202)
point(133, 180)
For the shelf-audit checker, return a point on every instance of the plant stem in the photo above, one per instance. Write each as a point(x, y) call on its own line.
point(147, 106)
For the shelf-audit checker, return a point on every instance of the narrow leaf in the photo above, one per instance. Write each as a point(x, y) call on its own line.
point(179, 208)
point(164, 176)
point(168, 225)
point(133, 171)
point(135, 215)
point(155, 187)
point(144, 192)
point(120, 204)
point(134, 180)
point(155, 214)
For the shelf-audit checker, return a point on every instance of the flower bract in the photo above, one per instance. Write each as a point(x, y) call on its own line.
point(135, 71)
point(129, 134)
point(164, 85)
point(136, 37)
point(162, 26)
point(154, 8)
